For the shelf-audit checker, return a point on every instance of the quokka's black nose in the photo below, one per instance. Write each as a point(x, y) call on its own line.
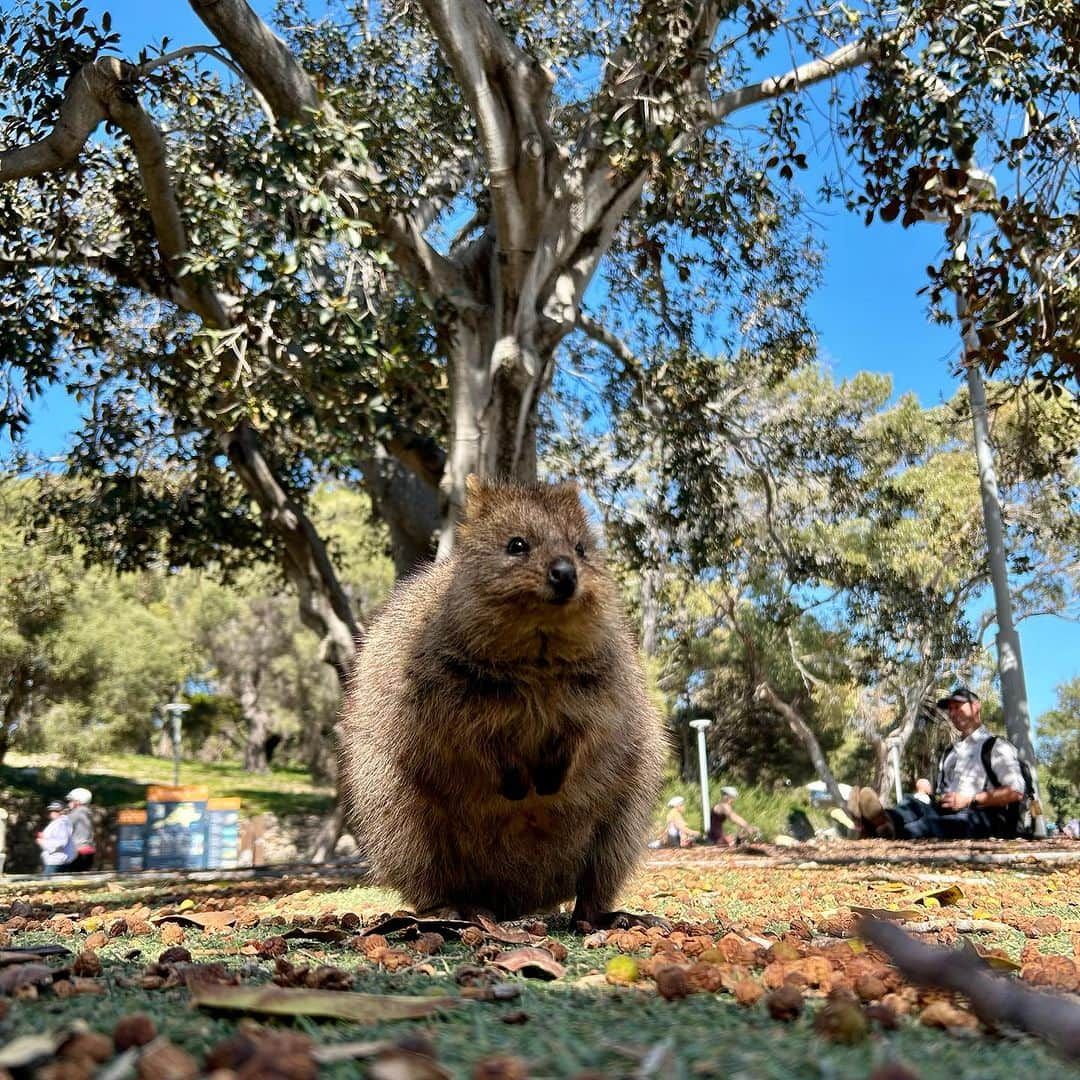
point(562, 577)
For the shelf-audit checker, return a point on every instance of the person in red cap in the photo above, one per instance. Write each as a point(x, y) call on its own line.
point(979, 792)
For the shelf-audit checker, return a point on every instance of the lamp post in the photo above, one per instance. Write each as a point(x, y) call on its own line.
point(175, 711)
point(703, 764)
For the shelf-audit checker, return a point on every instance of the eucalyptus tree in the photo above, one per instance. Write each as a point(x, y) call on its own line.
point(359, 248)
point(816, 549)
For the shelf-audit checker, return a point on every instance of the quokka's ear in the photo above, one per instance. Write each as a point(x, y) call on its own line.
point(479, 496)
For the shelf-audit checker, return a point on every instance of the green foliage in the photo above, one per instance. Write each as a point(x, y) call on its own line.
point(326, 345)
point(1058, 733)
point(90, 655)
point(811, 538)
point(118, 780)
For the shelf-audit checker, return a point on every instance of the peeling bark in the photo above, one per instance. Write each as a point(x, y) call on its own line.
point(258, 724)
point(803, 733)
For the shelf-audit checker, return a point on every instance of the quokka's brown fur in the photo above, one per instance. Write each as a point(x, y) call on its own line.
point(499, 752)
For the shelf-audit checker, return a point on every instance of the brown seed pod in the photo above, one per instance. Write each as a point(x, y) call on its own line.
point(135, 1029)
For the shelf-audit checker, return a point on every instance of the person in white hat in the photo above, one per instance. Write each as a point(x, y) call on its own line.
point(82, 829)
point(723, 812)
point(57, 847)
point(676, 833)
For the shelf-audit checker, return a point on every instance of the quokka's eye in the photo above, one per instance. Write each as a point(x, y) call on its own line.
point(517, 545)
point(580, 549)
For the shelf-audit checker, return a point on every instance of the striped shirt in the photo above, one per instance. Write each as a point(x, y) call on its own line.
point(962, 770)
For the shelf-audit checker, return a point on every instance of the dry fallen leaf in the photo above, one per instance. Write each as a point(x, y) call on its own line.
point(531, 962)
point(339, 1004)
point(27, 1050)
point(204, 920)
point(943, 897)
point(397, 1063)
point(327, 935)
point(14, 978)
point(506, 934)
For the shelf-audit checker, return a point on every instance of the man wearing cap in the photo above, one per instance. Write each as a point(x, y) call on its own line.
point(82, 828)
point(968, 803)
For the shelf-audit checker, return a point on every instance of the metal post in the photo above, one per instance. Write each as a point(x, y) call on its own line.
point(703, 764)
point(175, 711)
point(894, 749)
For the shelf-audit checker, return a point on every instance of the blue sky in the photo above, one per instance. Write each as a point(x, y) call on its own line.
point(867, 313)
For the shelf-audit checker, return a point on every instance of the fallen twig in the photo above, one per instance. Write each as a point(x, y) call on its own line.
point(994, 1000)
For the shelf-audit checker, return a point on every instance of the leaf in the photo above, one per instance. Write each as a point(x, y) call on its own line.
point(889, 914)
point(28, 1050)
point(337, 1004)
point(531, 962)
point(943, 897)
point(332, 1053)
point(994, 960)
point(401, 1064)
point(452, 927)
point(324, 934)
point(507, 934)
point(204, 920)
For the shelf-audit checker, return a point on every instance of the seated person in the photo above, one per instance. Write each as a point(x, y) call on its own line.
point(676, 833)
point(970, 803)
point(723, 812)
point(924, 791)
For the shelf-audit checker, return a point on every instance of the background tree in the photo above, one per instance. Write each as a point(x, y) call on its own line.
point(367, 241)
point(91, 654)
point(36, 588)
point(818, 554)
point(1059, 748)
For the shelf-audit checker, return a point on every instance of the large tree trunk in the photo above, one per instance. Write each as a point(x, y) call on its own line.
point(258, 724)
point(409, 507)
point(324, 606)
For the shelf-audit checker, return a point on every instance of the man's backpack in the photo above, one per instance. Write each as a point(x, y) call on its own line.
point(1017, 814)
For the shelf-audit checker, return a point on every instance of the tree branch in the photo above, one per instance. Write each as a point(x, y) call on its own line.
point(801, 730)
point(852, 55)
point(507, 92)
point(419, 453)
point(600, 195)
point(83, 108)
point(279, 77)
point(612, 342)
point(149, 148)
point(996, 1001)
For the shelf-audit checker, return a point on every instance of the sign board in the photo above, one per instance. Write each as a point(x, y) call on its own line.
point(176, 827)
point(222, 833)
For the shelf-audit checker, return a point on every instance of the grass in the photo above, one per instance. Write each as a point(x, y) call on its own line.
point(118, 780)
point(570, 1027)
